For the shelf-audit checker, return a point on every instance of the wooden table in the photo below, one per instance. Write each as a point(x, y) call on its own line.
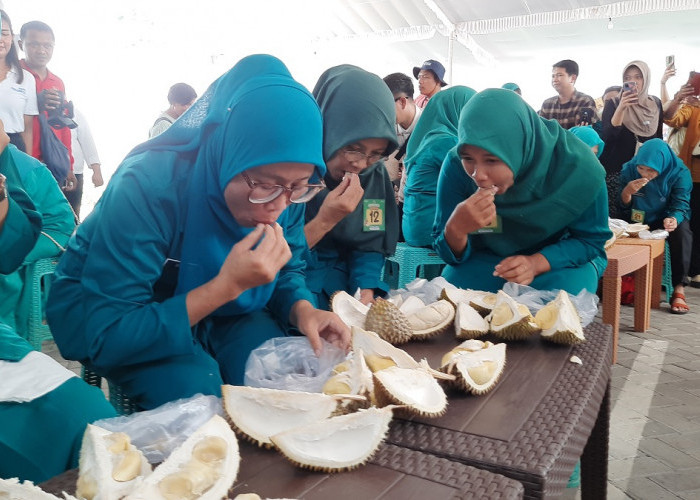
point(543, 415)
point(657, 249)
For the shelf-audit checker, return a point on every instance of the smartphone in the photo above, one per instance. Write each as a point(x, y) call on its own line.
point(694, 80)
point(586, 116)
point(670, 61)
point(629, 86)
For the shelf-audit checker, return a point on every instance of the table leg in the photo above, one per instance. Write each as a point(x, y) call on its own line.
point(612, 288)
point(642, 299)
point(657, 275)
point(594, 461)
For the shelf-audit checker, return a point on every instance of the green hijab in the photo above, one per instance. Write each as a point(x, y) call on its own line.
point(436, 131)
point(556, 176)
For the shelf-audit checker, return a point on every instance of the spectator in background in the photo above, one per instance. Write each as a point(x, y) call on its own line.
point(180, 96)
point(512, 86)
point(17, 91)
point(84, 151)
point(37, 40)
point(569, 105)
point(431, 79)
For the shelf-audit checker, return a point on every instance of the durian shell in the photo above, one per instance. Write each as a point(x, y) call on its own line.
point(387, 321)
point(461, 362)
point(358, 380)
point(338, 443)
point(567, 328)
point(469, 345)
point(469, 324)
point(216, 426)
point(483, 302)
point(256, 413)
point(431, 320)
point(457, 295)
point(14, 489)
point(521, 325)
point(350, 310)
point(414, 389)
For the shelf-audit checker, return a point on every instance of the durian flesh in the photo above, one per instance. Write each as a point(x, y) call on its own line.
point(477, 371)
point(469, 324)
point(338, 443)
point(205, 466)
point(109, 465)
point(431, 320)
point(353, 377)
point(559, 321)
point(258, 413)
point(415, 388)
point(511, 321)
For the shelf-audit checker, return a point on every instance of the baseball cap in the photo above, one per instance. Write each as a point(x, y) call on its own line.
point(435, 67)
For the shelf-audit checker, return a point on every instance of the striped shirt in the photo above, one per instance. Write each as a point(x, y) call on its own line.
point(568, 115)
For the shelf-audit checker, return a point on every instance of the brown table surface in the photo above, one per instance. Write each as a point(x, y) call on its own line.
point(543, 415)
point(393, 473)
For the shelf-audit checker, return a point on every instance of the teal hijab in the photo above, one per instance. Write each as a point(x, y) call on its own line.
point(511, 86)
point(589, 137)
point(357, 105)
point(253, 115)
point(556, 176)
point(436, 131)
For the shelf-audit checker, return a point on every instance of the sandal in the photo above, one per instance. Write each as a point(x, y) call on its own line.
point(678, 304)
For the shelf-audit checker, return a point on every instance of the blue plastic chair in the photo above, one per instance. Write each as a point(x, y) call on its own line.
point(117, 398)
point(409, 263)
point(666, 282)
point(39, 275)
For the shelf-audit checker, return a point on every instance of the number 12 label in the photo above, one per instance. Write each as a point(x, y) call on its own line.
point(373, 215)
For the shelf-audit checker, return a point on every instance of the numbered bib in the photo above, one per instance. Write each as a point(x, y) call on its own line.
point(494, 227)
point(373, 215)
point(637, 216)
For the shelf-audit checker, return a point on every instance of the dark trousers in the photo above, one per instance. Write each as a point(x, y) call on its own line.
point(17, 139)
point(680, 243)
point(75, 197)
point(695, 228)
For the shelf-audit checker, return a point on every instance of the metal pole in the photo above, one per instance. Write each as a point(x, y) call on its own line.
point(450, 53)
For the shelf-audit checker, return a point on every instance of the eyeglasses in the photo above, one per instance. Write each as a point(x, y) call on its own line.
point(354, 155)
point(35, 45)
point(265, 193)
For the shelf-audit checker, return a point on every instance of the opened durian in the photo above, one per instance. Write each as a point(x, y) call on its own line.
point(469, 324)
point(413, 388)
point(470, 345)
point(257, 413)
point(387, 321)
point(409, 305)
point(338, 443)
point(350, 310)
point(205, 466)
point(431, 320)
point(13, 489)
point(483, 302)
point(351, 377)
point(511, 321)
point(477, 370)
point(110, 466)
point(559, 321)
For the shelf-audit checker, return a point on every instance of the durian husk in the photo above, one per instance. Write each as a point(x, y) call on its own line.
point(414, 389)
point(205, 466)
point(431, 320)
point(338, 443)
point(476, 371)
point(351, 377)
point(469, 324)
point(511, 321)
point(470, 345)
point(350, 310)
point(387, 321)
point(257, 413)
point(455, 295)
point(483, 302)
point(560, 321)
point(14, 489)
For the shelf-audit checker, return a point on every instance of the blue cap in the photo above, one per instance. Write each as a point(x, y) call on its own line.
point(434, 66)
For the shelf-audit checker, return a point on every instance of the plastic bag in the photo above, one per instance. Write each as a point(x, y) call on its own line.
point(159, 431)
point(656, 234)
point(586, 302)
point(427, 291)
point(289, 363)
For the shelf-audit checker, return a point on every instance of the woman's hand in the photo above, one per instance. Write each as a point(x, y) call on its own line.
point(522, 269)
point(367, 296)
point(670, 223)
point(342, 200)
point(668, 73)
point(317, 324)
point(632, 188)
point(254, 261)
point(477, 211)
point(627, 99)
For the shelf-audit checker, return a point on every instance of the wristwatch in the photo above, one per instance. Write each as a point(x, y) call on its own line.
point(3, 188)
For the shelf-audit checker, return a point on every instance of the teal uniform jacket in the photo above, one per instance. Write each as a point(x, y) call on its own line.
point(557, 205)
point(41, 438)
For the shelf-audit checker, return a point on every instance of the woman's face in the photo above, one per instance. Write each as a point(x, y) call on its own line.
point(5, 39)
point(486, 170)
point(634, 74)
point(647, 172)
point(340, 163)
point(249, 214)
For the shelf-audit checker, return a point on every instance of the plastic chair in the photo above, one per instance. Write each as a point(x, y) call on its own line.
point(39, 274)
point(408, 263)
point(666, 282)
point(117, 398)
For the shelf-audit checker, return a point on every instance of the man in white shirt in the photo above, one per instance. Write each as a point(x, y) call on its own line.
point(180, 96)
point(84, 151)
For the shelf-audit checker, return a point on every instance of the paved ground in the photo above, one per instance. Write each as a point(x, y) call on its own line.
point(655, 422)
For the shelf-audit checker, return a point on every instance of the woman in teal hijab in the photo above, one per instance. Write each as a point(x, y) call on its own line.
point(520, 199)
point(352, 226)
point(655, 188)
point(193, 256)
point(42, 422)
point(433, 137)
point(590, 137)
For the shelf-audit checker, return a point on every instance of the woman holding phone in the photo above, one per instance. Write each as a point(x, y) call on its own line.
point(629, 120)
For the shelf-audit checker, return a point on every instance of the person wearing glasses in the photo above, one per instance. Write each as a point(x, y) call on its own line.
point(192, 257)
point(353, 225)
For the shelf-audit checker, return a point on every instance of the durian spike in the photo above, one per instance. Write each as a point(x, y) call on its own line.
point(435, 373)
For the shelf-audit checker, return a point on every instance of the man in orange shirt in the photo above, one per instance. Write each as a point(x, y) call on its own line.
point(37, 41)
